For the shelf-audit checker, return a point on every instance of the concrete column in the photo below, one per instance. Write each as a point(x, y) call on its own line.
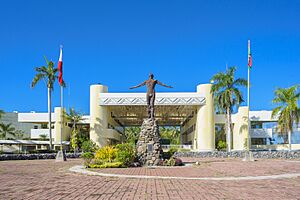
point(205, 122)
point(98, 116)
point(66, 131)
point(240, 130)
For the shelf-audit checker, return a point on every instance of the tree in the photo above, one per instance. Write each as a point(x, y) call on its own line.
point(227, 96)
point(288, 110)
point(172, 133)
point(19, 134)
point(132, 134)
point(6, 130)
point(1, 113)
point(74, 117)
point(43, 137)
point(48, 74)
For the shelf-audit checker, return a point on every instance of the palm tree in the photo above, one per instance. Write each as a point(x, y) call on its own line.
point(43, 137)
point(49, 75)
point(74, 117)
point(6, 130)
point(227, 96)
point(288, 111)
point(1, 113)
point(19, 134)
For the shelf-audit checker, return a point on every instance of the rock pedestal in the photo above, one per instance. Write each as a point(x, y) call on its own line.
point(148, 145)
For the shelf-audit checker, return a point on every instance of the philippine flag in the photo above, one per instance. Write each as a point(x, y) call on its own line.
point(59, 67)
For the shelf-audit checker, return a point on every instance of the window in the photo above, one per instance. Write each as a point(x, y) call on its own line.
point(258, 141)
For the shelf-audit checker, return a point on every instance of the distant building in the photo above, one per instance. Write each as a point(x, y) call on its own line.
point(193, 112)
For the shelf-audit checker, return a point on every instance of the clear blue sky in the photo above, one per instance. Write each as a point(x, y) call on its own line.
point(118, 43)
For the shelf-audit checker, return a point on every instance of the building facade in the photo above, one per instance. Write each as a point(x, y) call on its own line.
point(193, 112)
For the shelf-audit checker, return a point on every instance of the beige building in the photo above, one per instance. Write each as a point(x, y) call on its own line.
point(193, 112)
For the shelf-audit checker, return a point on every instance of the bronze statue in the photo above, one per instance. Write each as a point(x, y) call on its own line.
point(151, 83)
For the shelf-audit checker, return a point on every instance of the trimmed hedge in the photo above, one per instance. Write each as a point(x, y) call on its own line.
point(35, 156)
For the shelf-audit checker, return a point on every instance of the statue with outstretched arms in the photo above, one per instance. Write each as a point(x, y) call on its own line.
point(150, 97)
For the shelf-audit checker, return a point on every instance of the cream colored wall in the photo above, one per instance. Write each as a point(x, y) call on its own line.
point(205, 126)
point(98, 116)
point(66, 131)
point(240, 130)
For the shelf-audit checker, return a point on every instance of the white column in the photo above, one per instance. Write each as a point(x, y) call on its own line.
point(205, 122)
point(98, 115)
point(240, 130)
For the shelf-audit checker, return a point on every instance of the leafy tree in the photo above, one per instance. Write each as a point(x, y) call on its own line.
point(132, 134)
point(227, 96)
point(43, 137)
point(89, 146)
point(48, 74)
point(6, 130)
point(287, 109)
point(19, 134)
point(74, 117)
point(1, 113)
point(171, 133)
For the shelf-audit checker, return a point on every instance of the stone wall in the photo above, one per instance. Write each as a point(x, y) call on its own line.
point(35, 156)
point(241, 154)
point(148, 145)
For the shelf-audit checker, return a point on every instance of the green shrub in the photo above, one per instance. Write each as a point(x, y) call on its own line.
point(107, 165)
point(89, 146)
point(221, 145)
point(125, 153)
point(87, 157)
point(106, 154)
point(184, 150)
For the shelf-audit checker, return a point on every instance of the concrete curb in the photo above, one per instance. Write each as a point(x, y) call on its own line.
point(83, 170)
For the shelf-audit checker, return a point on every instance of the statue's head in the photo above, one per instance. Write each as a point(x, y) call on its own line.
point(151, 76)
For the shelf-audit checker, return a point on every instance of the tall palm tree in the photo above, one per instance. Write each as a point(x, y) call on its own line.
point(227, 96)
point(288, 110)
point(74, 117)
point(6, 130)
point(48, 74)
point(1, 113)
point(19, 134)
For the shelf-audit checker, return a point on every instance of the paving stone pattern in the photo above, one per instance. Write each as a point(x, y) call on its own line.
point(47, 179)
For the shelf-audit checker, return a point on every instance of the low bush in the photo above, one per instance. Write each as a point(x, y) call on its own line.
point(221, 145)
point(89, 146)
point(107, 165)
point(106, 154)
point(125, 153)
point(87, 157)
point(121, 155)
point(172, 162)
point(170, 153)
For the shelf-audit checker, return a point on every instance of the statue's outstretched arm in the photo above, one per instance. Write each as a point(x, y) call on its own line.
point(160, 83)
point(139, 85)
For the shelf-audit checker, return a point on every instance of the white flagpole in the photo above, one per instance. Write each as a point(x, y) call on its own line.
point(248, 100)
point(62, 109)
point(62, 115)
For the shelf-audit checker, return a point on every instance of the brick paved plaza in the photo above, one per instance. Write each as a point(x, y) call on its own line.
point(46, 179)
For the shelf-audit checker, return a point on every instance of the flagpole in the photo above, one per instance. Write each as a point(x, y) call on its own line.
point(62, 115)
point(248, 99)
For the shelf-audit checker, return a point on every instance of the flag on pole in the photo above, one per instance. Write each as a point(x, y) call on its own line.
point(59, 67)
point(249, 56)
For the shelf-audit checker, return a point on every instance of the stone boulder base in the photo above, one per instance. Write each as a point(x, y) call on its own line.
point(148, 145)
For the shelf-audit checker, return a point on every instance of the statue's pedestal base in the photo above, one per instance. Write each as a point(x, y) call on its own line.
point(61, 156)
point(148, 145)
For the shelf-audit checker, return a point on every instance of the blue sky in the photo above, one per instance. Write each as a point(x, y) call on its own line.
point(118, 43)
